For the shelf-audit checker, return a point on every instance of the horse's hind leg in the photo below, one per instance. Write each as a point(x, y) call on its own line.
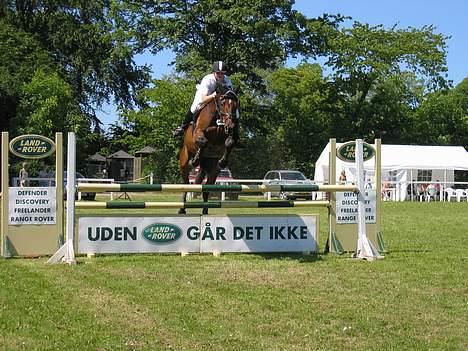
point(183, 200)
point(212, 171)
point(184, 171)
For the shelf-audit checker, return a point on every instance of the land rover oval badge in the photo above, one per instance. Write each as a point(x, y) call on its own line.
point(162, 233)
point(346, 151)
point(32, 146)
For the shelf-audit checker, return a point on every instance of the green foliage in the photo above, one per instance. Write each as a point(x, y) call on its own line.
point(443, 118)
point(300, 117)
point(48, 102)
point(251, 35)
point(21, 55)
point(87, 50)
point(377, 74)
point(164, 107)
point(363, 54)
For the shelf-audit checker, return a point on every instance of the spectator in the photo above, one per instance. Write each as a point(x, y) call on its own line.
point(437, 187)
point(23, 176)
point(385, 191)
point(342, 179)
point(42, 177)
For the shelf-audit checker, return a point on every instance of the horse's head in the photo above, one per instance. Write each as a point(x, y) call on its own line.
point(228, 109)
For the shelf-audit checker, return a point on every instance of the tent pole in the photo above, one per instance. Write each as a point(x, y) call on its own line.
point(445, 183)
point(411, 185)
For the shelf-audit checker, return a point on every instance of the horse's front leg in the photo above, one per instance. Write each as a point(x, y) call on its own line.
point(211, 176)
point(201, 142)
point(229, 144)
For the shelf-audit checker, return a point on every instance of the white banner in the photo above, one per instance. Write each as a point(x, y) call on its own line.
point(235, 233)
point(268, 233)
point(31, 205)
point(346, 207)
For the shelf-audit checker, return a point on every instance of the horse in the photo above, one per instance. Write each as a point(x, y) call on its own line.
point(209, 140)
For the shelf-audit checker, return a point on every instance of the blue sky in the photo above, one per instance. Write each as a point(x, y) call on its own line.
point(449, 17)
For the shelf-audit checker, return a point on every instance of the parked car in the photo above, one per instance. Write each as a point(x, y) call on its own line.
point(84, 195)
point(287, 177)
point(224, 178)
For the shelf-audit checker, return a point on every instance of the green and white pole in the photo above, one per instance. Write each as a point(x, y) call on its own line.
point(199, 204)
point(103, 187)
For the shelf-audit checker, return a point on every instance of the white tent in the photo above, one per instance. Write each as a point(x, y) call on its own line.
point(400, 165)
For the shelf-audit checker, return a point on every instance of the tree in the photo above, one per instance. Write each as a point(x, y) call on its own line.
point(254, 37)
point(301, 120)
point(442, 118)
point(364, 58)
point(251, 35)
point(21, 55)
point(82, 39)
point(163, 106)
point(49, 103)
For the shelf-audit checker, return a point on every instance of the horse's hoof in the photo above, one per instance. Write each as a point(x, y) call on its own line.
point(181, 211)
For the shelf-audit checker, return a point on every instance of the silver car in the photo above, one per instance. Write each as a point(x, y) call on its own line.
point(287, 177)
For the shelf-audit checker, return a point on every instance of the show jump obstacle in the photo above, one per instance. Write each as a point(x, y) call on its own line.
point(210, 233)
point(32, 217)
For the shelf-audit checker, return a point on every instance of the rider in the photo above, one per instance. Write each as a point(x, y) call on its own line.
point(206, 91)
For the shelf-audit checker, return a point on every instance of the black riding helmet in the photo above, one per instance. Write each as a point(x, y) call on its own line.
point(219, 66)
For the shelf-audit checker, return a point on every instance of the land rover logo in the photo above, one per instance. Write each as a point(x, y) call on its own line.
point(162, 233)
point(32, 146)
point(346, 151)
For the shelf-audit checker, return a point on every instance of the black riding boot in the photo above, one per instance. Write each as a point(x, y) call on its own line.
point(179, 131)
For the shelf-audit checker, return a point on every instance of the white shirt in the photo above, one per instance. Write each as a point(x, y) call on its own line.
point(206, 87)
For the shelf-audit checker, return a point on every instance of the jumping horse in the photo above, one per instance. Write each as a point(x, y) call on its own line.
point(208, 141)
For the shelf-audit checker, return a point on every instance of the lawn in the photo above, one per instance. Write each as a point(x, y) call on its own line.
point(414, 299)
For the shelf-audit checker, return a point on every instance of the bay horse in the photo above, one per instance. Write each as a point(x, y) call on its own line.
point(209, 140)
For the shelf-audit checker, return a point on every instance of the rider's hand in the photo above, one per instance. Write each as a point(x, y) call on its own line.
point(213, 95)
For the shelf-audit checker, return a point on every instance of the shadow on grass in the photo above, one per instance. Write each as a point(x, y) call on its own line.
point(409, 250)
point(283, 256)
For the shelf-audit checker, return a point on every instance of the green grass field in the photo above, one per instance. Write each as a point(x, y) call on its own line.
point(414, 299)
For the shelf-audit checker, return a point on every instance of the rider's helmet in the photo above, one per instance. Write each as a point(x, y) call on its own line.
point(219, 66)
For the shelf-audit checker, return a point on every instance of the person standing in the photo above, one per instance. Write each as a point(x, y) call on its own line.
point(43, 181)
point(342, 178)
point(23, 176)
